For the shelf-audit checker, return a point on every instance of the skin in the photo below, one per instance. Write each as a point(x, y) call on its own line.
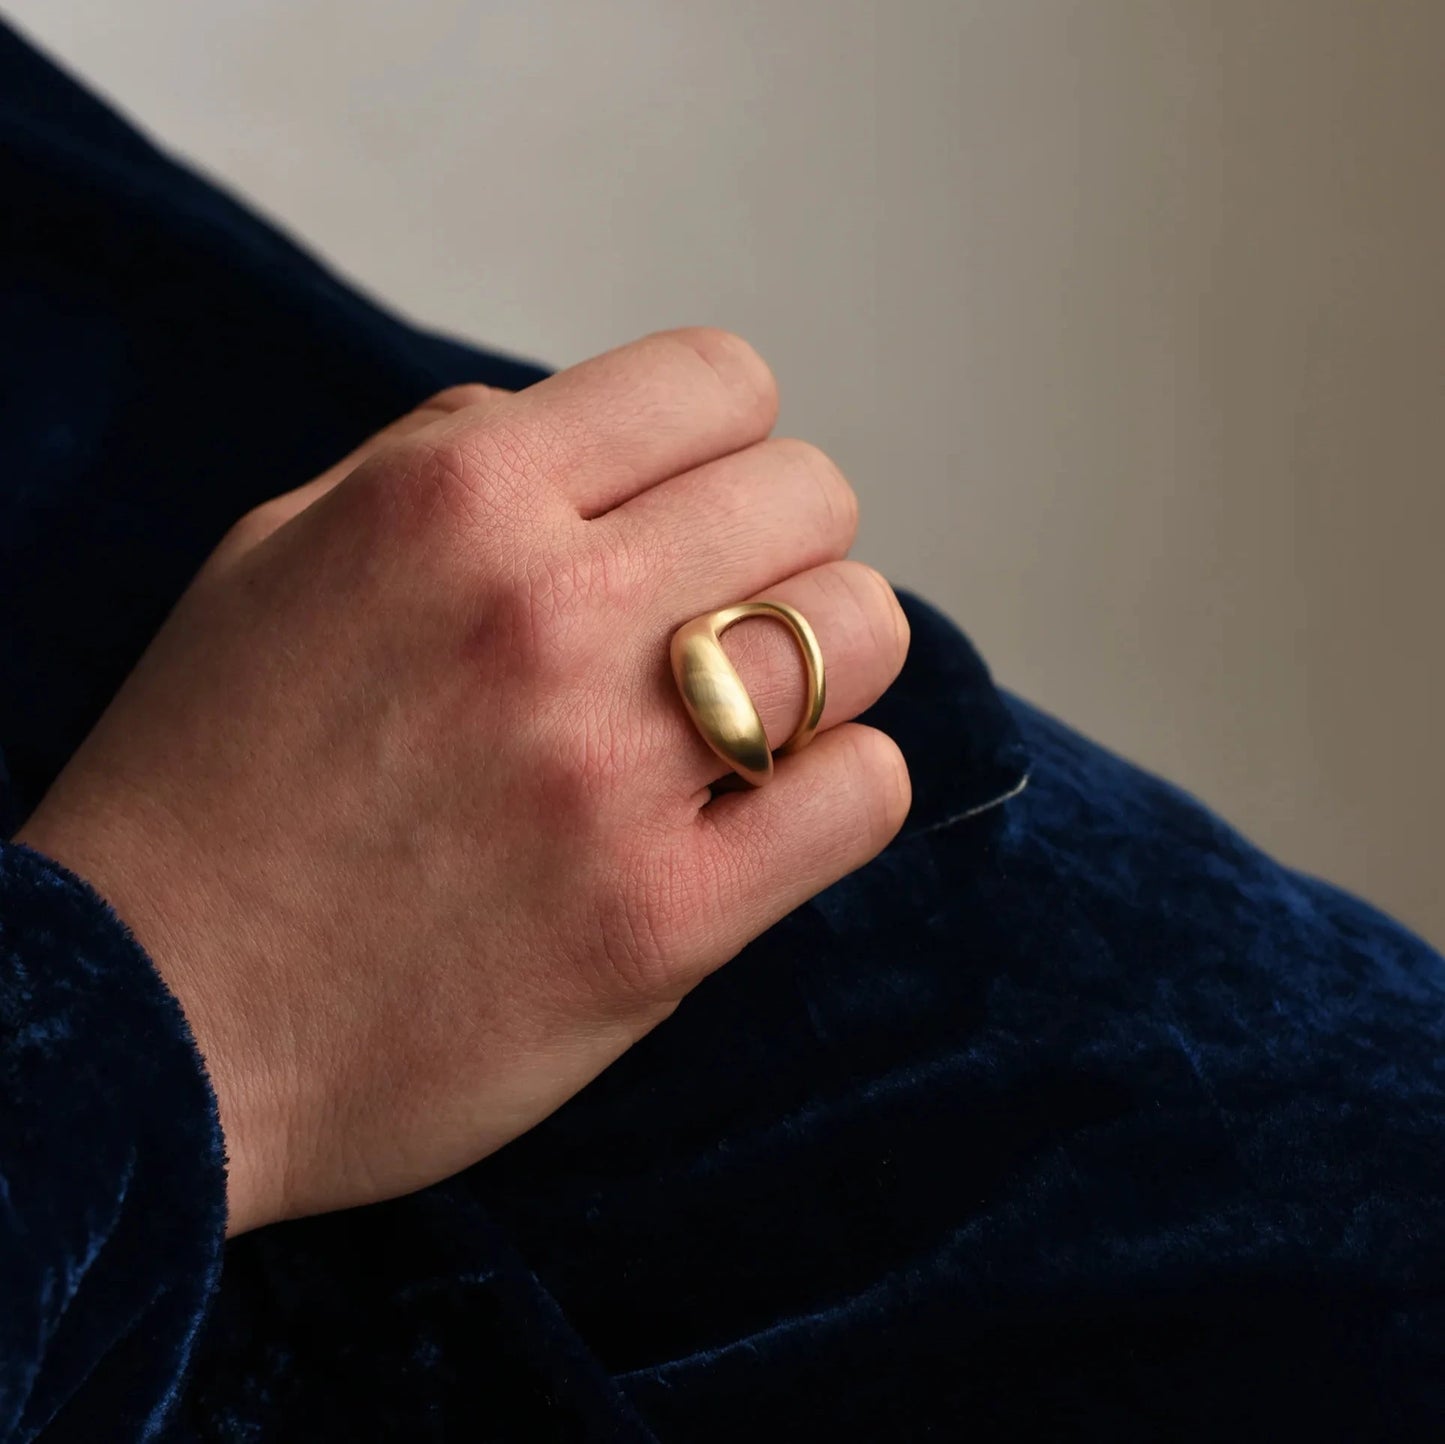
point(402, 801)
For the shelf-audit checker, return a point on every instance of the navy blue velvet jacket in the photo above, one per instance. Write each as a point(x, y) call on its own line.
point(1071, 1116)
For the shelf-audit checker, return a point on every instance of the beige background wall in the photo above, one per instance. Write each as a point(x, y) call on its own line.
point(1127, 317)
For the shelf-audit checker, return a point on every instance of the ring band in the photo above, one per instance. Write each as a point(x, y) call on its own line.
point(716, 699)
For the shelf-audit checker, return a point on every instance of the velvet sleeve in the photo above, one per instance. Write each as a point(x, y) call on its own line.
point(112, 1180)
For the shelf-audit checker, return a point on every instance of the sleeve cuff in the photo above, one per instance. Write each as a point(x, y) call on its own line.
point(112, 1168)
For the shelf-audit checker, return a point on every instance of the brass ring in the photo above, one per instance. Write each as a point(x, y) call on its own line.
point(719, 704)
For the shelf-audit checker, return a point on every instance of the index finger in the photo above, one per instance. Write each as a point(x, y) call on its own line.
point(606, 429)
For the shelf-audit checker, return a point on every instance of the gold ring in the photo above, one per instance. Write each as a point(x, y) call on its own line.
point(716, 699)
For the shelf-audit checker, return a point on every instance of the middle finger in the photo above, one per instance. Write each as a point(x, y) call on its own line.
point(735, 525)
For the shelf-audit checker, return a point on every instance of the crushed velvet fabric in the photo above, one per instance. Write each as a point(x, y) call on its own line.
point(1071, 1116)
point(104, 1111)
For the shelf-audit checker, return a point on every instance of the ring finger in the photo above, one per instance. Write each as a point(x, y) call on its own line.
point(863, 636)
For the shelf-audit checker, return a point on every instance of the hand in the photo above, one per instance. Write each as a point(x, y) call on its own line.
point(402, 801)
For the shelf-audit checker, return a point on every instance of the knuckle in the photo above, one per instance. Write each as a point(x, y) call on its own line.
point(592, 740)
point(471, 474)
point(561, 584)
point(887, 623)
point(734, 363)
point(440, 474)
point(838, 500)
point(516, 457)
point(530, 633)
point(900, 794)
point(539, 620)
point(885, 790)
